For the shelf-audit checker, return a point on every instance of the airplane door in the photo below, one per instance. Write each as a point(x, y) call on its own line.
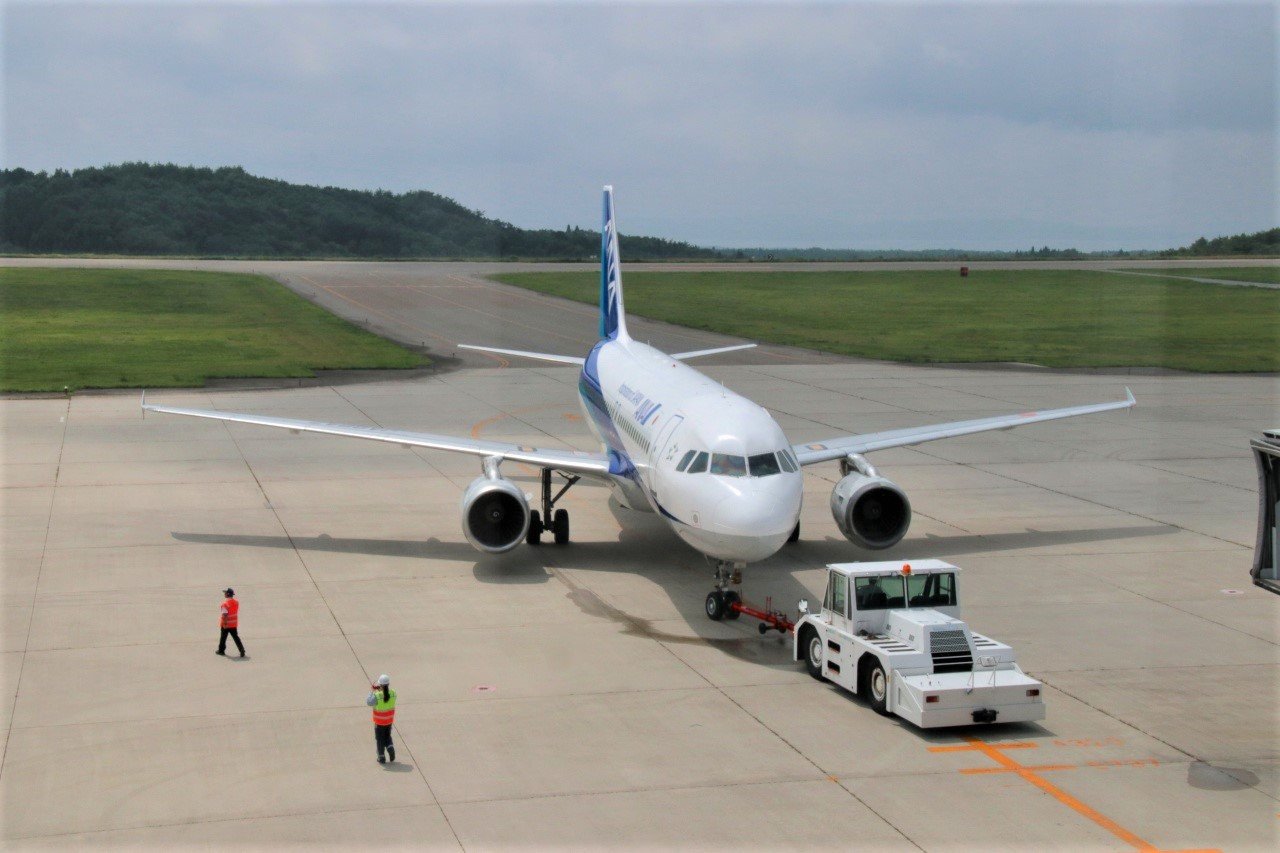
point(666, 450)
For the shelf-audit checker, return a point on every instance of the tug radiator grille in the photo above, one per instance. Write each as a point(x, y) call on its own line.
point(950, 650)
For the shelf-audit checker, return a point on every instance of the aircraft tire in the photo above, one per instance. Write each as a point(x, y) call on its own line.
point(715, 605)
point(560, 526)
point(729, 598)
point(534, 536)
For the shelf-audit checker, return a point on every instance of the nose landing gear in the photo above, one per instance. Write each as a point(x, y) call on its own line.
point(720, 601)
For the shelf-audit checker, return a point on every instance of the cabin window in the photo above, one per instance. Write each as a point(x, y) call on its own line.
point(878, 593)
point(688, 457)
point(728, 466)
point(763, 465)
point(932, 590)
point(786, 463)
point(699, 463)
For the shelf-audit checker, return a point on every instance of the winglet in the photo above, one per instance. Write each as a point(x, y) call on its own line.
point(1132, 400)
point(144, 403)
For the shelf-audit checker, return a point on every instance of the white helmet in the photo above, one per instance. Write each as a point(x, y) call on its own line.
point(384, 679)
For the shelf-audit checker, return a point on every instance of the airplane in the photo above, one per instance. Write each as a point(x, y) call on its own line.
point(715, 466)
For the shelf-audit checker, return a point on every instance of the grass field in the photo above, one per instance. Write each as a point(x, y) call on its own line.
point(84, 328)
point(1056, 318)
point(1268, 275)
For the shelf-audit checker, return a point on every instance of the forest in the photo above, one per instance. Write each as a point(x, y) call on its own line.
point(165, 209)
point(152, 209)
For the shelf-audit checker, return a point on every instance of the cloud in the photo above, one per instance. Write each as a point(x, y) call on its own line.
point(861, 125)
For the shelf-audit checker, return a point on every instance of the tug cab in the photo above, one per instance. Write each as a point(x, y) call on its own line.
point(892, 632)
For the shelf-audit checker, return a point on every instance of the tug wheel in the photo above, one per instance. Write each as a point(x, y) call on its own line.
point(876, 688)
point(812, 644)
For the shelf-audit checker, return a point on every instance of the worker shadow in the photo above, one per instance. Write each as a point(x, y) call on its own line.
point(398, 767)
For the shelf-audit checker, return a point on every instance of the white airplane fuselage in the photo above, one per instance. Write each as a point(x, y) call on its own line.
point(651, 412)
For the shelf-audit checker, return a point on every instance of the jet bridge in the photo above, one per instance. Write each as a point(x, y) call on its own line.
point(1266, 558)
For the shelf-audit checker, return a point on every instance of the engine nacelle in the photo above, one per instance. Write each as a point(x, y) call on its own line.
point(495, 514)
point(870, 511)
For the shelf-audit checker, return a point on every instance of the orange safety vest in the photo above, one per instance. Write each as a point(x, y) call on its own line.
point(384, 712)
point(230, 613)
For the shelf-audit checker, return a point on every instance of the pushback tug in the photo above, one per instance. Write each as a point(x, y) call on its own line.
point(892, 632)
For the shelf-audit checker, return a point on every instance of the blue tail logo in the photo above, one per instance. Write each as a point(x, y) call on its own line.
point(612, 320)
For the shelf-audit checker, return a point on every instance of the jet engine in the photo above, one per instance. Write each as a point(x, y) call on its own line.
point(870, 511)
point(495, 514)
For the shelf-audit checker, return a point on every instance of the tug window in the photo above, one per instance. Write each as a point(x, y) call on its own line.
point(763, 465)
point(837, 599)
point(878, 593)
point(688, 457)
point(699, 463)
point(728, 466)
point(934, 590)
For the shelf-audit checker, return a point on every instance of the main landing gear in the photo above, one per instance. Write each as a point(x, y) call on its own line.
point(557, 520)
point(720, 600)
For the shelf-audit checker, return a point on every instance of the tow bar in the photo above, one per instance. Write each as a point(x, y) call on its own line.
point(770, 619)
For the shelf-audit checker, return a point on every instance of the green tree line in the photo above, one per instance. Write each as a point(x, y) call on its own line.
point(153, 209)
point(1258, 243)
point(162, 209)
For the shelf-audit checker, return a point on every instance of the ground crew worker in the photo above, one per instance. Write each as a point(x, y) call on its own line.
point(383, 701)
point(230, 622)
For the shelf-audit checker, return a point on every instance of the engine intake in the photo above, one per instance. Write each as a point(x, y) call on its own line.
point(870, 511)
point(495, 514)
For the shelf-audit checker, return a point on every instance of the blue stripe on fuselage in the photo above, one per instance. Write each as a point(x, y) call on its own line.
point(589, 387)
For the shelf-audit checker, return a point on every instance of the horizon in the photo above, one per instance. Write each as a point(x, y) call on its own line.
point(1035, 248)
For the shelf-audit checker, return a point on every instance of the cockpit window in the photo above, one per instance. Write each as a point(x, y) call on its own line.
point(786, 463)
point(728, 466)
point(763, 465)
point(699, 463)
point(688, 457)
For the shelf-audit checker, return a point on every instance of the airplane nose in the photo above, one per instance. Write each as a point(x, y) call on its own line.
point(763, 513)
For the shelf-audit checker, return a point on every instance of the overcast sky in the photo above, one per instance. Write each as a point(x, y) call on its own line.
point(843, 125)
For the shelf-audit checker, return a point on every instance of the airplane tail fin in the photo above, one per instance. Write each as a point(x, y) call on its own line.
point(613, 320)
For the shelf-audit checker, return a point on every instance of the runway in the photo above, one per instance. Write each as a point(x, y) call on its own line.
point(576, 695)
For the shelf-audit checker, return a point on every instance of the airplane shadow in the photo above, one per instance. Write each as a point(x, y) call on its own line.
point(645, 547)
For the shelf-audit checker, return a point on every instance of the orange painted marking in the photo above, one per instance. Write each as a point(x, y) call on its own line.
point(977, 771)
point(1009, 765)
point(479, 426)
point(971, 747)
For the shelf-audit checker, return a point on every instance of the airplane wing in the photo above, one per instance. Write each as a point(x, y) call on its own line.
point(811, 453)
point(570, 461)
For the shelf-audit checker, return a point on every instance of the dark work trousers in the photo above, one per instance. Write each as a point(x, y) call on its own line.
point(382, 736)
point(235, 635)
